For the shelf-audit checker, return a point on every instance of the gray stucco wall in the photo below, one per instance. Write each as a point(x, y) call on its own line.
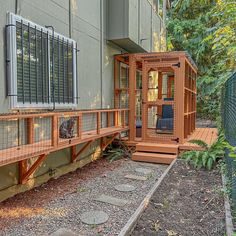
point(85, 21)
point(95, 62)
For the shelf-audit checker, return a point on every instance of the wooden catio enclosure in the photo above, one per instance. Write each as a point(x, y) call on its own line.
point(160, 90)
point(154, 104)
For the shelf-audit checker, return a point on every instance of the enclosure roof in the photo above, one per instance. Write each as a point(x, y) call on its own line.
point(170, 54)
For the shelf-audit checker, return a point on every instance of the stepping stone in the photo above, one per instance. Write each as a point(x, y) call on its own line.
point(111, 200)
point(94, 217)
point(144, 171)
point(63, 232)
point(125, 188)
point(136, 177)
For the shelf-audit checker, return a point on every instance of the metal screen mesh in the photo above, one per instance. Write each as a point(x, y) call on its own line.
point(228, 114)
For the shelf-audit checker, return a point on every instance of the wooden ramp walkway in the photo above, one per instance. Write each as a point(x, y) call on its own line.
point(208, 135)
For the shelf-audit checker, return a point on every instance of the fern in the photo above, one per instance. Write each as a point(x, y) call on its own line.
point(207, 157)
point(199, 143)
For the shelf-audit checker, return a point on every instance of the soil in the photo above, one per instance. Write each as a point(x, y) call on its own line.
point(188, 202)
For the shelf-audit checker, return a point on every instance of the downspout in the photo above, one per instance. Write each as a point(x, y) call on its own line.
point(164, 23)
point(101, 49)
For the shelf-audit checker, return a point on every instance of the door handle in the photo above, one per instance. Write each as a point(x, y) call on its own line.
point(175, 139)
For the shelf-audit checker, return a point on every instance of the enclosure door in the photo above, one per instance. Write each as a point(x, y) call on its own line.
point(159, 103)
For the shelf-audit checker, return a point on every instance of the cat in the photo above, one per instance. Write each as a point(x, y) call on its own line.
point(66, 129)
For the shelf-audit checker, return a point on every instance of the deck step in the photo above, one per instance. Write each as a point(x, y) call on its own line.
point(159, 158)
point(160, 148)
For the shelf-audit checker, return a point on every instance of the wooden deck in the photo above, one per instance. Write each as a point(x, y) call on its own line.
point(208, 135)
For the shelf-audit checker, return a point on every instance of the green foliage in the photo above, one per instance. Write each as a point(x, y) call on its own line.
point(117, 150)
point(207, 157)
point(207, 30)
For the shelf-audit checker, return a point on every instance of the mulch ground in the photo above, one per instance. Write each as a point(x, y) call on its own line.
point(16, 207)
point(188, 202)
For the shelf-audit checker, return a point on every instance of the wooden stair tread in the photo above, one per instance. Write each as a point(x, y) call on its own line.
point(158, 145)
point(159, 155)
point(160, 158)
point(157, 148)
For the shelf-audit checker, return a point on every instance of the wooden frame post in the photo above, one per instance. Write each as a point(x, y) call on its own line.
point(98, 122)
point(160, 82)
point(144, 101)
point(54, 131)
point(108, 119)
point(179, 92)
point(132, 97)
point(79, 126)
point(123, 118)
point(116, 120)
point(30, 129)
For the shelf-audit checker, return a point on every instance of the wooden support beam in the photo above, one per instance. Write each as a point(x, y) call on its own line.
point(22, 170)
point(73, 153)
point(104, 146)
point(25, 172)
point(75, 157)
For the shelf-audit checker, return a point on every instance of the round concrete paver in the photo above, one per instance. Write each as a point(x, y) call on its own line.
point(125, 188)
point(94, 217)
point(143, 171)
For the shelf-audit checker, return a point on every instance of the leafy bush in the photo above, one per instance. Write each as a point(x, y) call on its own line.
point(207, 157)
point(117, 150)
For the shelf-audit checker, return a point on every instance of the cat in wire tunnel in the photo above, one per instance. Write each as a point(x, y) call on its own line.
point(66, 129)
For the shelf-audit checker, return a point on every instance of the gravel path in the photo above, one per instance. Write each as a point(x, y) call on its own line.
point(64, 211)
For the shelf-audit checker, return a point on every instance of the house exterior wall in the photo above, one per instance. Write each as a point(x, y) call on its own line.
point(86, 22)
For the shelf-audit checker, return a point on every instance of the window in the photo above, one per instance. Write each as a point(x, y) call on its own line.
point(41, 66)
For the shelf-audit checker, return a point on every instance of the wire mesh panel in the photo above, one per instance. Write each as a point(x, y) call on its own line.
point(23, 136)
point(228, 114)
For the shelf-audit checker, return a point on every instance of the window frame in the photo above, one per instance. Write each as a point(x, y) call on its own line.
point(12, 66)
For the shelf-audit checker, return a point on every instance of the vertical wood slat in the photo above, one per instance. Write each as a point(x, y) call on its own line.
point(55, 135)
point(98, 122)
point(79, 126)
point(23, 165)
point(108, 119)
point(144, 102)
point(160, 79)
point(132, 97)
point(123, 118)
point(30, 130)
point(116, 121)
point(116, 95)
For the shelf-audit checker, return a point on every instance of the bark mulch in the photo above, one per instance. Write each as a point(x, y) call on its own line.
point(188, 202)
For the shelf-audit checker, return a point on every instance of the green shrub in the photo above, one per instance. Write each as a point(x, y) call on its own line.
point(207, 157)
